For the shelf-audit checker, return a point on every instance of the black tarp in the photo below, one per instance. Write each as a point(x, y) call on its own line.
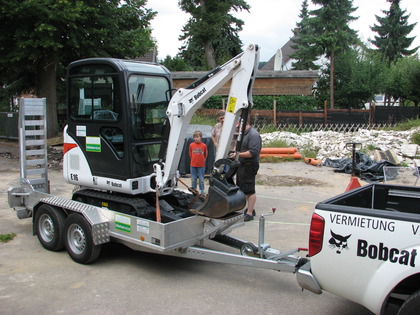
point(364, 167)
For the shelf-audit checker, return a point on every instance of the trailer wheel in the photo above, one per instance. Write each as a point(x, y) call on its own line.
point(49, 227)
point(249, 249)
point(78, 240)
point(411, 305)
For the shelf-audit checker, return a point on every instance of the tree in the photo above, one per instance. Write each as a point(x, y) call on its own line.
point(305, 51)
point(331, 31)
point(403, 80)
point(359, 75)
point(393, 30)
point(38, 38)
point(211, 29)
point(176, 64)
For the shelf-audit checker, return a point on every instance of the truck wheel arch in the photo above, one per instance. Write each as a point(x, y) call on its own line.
point(408, 286)
point(388, 279)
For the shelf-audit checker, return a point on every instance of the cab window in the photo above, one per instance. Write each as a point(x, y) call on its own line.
point(94, 95)
point(148, 102)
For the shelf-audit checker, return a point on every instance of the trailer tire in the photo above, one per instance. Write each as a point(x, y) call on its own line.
point(411, 305)
point(78, 240)
point(49, 227)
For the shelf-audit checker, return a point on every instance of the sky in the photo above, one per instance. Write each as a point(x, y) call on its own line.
point(269, 23)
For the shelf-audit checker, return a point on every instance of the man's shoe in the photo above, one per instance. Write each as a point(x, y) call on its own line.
point(248, 217)
point(253, 212)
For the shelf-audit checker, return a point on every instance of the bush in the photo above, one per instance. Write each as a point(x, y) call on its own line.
point(415, 138)
point(284, 102)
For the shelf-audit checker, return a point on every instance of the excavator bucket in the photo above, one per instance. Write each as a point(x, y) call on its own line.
point(223, 197)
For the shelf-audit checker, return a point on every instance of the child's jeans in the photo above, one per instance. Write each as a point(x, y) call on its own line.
point(197, 172)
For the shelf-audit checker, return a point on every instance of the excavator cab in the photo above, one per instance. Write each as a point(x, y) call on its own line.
point(117, 126)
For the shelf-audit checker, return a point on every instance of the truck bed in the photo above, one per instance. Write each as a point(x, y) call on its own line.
point(399, 202)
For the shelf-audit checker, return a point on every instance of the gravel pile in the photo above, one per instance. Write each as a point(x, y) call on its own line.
point(331, 144)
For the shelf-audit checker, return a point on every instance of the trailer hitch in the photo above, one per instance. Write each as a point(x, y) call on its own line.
point(264, 250)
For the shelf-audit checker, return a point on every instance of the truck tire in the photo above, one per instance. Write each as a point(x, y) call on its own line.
point(49, 227)
point(411, 305)
point(78, 239)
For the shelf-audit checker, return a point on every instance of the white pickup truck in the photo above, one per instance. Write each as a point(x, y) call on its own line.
point(365, 246)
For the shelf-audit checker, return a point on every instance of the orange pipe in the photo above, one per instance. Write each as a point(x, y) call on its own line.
point(278, 150)
point(313, 162)
point(295, 155)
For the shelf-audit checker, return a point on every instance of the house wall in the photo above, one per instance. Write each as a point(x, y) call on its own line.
point(266, 82)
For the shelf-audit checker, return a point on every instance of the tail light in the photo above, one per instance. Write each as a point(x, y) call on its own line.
point(316, 234)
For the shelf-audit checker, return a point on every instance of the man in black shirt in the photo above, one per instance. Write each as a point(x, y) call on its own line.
point(247, 171)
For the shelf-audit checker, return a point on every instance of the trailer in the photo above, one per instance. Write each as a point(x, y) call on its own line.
point(82, 228)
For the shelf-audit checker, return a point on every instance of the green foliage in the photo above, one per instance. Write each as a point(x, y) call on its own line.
point(305, 52)
point(4, 238)
point(308, 152)
point(211, 34)
point(276, 144)
point(403, 79)
point(267, 129)
point(358, 77)
point(215, 102)
point(176, 64)
point(298, 103)
point(393, 30)
point(331, 32)
point(416, 138)
point(284, 102)
point(39, 38)
point(203, 120)
point(407, 125)
point(330, 25)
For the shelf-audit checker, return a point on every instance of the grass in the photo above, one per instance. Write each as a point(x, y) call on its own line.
point(276, 144)
point(416, 138)
point(407, 125)
point(203, 120)
point(4, 238)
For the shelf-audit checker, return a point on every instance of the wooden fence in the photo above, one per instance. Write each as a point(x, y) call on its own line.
point(374, 115)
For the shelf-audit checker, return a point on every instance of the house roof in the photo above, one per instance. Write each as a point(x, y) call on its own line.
point(150, 56)
point(286, 51)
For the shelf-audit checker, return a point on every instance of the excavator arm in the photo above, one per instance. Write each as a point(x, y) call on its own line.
point(185, 102)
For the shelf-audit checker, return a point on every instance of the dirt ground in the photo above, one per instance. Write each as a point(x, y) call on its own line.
point(122, 281)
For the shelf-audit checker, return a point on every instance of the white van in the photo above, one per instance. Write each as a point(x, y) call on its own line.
point(379, 100)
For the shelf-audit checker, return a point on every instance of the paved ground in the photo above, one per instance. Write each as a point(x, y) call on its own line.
point(36, 281)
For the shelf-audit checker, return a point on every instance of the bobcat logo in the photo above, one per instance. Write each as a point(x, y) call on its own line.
point(339, 242)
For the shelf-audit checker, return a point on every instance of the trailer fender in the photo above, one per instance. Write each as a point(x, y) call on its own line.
point(94, 215)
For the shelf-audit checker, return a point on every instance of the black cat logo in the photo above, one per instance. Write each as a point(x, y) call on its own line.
point(339, 242)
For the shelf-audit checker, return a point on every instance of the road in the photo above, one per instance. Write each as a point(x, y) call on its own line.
point(36, 281)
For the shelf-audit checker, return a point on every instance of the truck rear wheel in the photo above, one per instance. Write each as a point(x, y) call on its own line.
point(78, 240)
point(49, 227)
point(411, 305)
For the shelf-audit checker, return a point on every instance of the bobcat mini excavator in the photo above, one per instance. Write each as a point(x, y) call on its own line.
point(125, 134)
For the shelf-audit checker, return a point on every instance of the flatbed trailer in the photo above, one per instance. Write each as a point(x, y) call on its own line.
point(82, 228)
point(185, 237)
